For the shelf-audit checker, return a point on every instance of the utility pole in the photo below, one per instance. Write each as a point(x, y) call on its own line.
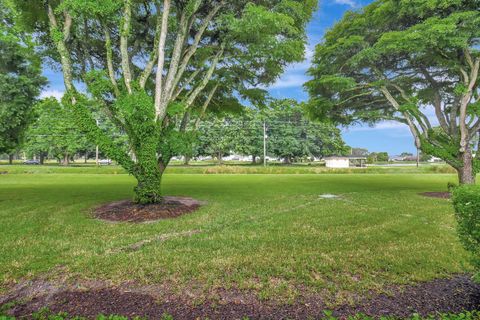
point(264, 144)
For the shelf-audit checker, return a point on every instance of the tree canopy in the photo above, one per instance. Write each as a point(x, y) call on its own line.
point(396, 60)
point(20, 80)
point(154, 64)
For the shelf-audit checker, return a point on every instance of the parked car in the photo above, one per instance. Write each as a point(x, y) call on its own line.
point(31, 162)
point(105, 162)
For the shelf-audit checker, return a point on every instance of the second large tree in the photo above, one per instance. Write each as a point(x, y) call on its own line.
point(413, 61)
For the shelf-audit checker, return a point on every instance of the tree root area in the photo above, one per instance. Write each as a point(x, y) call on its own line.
point(454, 295)
point(128, 211)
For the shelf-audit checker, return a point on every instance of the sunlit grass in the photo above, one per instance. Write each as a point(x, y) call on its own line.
point(229, 168)
point(271, 233)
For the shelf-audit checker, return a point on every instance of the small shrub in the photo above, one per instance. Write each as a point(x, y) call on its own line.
point(466, 200)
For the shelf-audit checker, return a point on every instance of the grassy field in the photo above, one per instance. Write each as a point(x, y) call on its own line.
point(270, 233)
point(230, 168)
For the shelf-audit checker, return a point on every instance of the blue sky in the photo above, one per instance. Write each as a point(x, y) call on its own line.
point(391, 137)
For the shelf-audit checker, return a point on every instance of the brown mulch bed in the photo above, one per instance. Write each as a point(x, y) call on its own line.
point(128, 211)
point(446, 295)
point(441, 195)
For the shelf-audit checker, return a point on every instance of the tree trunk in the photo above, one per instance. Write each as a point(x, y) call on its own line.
point(186, 160)
point(66, 159)
point(10, 159)
point(220, 158)
point(42, 158)
point(254, 159)
point(466, 174)
point(148, 189)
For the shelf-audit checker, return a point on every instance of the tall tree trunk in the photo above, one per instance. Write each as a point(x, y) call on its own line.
point(466, 174)
point(148, 189)
point(254, 159)
point(10, 159)
point(186, 160)
point(219, 158)
point(42, 158)
point(66, 159)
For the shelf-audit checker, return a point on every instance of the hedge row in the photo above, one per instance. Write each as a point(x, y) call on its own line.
point(466, 200)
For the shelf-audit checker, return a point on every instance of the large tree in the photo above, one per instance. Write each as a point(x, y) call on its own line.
point(396, 60)
point(20, 80)
point(248, 137)
point(150, 63)
point(54, 133)
point(292, 135)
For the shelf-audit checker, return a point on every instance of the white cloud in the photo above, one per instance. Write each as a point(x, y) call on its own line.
point(384, 125)
point(289, 80)
point(57, 94)
point(295, 73)
point(350, 3)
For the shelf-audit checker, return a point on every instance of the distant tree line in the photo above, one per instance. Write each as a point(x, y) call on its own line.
point(290, 136)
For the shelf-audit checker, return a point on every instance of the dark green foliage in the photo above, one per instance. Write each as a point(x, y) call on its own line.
point(466, 200)
point(292, 135)
point(54, 132)
point(216, 137)
point(377, 157)
point(20, 81)
point(248, 139)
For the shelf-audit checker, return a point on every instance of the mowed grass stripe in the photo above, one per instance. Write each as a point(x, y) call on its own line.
point(271, 233)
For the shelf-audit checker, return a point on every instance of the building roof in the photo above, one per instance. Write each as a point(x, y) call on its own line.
point(344, 158)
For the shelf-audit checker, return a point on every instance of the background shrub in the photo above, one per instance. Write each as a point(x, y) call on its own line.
point(466, 200)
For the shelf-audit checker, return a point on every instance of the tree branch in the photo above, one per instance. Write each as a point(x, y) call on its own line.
point(175, 58)
point(189, 80)
point(111, 72)
point(124, 33)
point(205, 106)
point(154, 55)
point(465, 101)
point(160, 110)
point(194, 46)
point(396, 105)
point(191, 98)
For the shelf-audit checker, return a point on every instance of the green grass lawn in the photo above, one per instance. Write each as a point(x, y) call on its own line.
point(270, 233)
point(229, 168)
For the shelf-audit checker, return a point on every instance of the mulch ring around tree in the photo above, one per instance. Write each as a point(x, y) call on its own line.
point(128, 211)
point(440, 195)
point(453, 295)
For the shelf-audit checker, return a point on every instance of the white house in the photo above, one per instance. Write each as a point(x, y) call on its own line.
point(344, 162)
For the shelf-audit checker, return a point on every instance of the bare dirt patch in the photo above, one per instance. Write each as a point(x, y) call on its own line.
point(128, 211)
point(440, 195)
point(456, 294)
